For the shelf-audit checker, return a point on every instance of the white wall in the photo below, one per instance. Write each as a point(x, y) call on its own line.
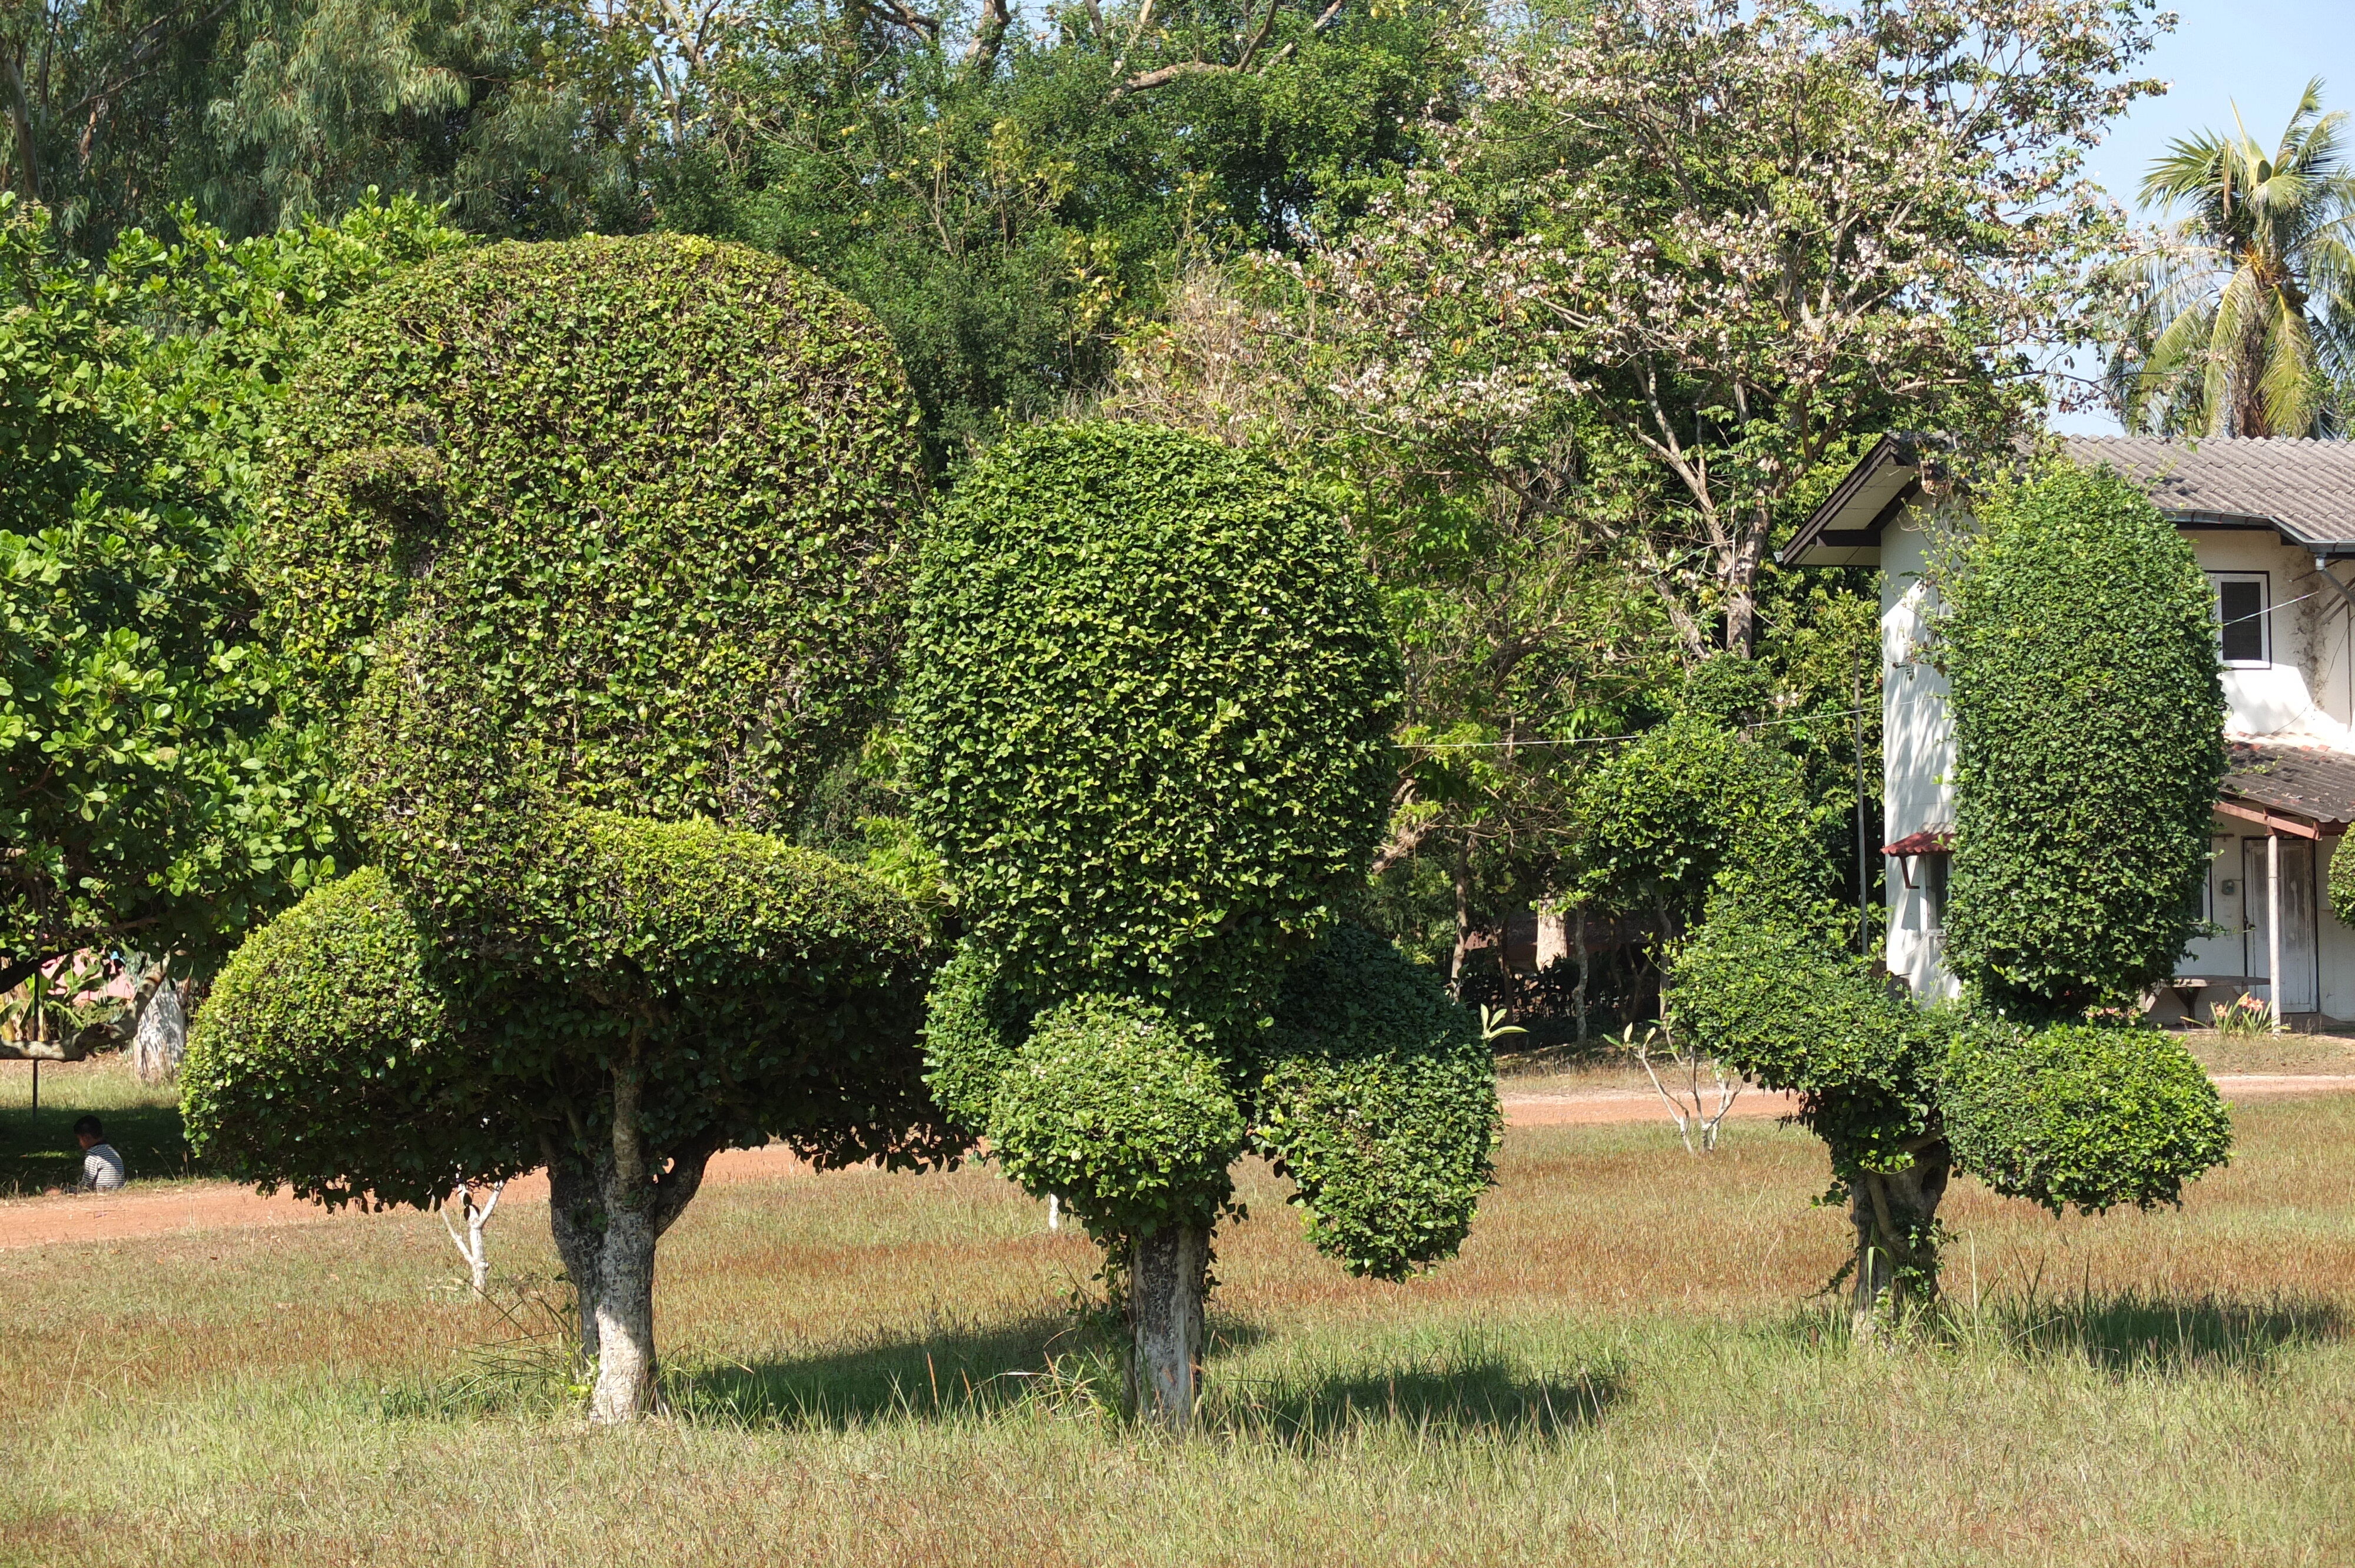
point(2307, 693)
point(1917, 749)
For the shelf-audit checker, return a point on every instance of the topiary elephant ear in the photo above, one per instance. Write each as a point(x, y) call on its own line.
point(1378, 1097)
point(2082, 1115)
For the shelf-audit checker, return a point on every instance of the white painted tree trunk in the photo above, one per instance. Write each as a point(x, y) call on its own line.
point(624, 1308)
point(162, 1036)
point(471, 1245)
point(1168, 1273)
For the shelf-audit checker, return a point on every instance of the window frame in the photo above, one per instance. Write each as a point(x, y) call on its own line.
point(2264, 616)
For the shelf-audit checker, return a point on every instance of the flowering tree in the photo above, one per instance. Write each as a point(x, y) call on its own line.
point(1683, 252)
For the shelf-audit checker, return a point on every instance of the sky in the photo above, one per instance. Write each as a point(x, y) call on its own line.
point(2257, 53)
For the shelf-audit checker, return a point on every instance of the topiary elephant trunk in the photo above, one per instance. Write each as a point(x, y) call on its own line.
point(1895, 1216)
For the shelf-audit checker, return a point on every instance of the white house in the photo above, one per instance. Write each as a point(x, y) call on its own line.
point(2271, 522)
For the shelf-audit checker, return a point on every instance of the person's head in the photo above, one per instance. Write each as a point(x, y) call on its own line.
point(90, 1131)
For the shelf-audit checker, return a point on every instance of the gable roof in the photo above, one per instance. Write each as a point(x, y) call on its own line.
point(2302, 489)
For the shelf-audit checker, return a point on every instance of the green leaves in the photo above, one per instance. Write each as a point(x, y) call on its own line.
point(2079, 638)
point(1123, 1112)
point(1378, 1097)
point(2081, 1114)
point(156, 761)
point(1149, 696)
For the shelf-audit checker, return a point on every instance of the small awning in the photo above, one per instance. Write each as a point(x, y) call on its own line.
point(2305, 791)
point(1927, 841)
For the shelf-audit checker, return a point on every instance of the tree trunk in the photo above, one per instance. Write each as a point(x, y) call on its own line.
point(576, 1222)
point(162, 1037)
point(1169, 1271)
point(625, 1265)
point(1462, 884)
point(1896, 1219)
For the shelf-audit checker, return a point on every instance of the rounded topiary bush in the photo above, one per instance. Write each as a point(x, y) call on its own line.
point(2082, 1116)
point(650, 491)
point(1123, 1112)
point(328, 1056)
point(1378, 1097)
point(2079, 637)
point(1149, 697)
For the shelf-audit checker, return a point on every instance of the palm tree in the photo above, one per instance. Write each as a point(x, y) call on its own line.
point(2242, 319)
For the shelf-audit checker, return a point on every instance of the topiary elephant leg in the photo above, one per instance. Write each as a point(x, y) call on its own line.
point(1896, 1218)
point(1168, 1276)
point(625, 1262)
point(575, 1220)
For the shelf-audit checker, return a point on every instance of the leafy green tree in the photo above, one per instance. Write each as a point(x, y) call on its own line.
point(2076, 627)
point(600, 544)
point(161, 769)
point(1007, 197)
point(261, 113)
point(1673, 259)
point(2241, 314)
point(1148, 701)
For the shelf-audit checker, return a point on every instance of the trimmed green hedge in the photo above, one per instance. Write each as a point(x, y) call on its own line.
point(1792, 1011)
point(1149, 697)
point(2081, 1114)
point(772, 991)
point(1378, 1097)
point(1124, 1113)
point(2080, 638)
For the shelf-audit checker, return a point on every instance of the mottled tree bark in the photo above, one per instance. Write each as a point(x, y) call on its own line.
point(1895, 1214)
point(1168, 1273)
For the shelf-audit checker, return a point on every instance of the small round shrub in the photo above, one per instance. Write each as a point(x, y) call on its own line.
point(1149, 694)
point(2080, 640)
point(1124, 1113)
point(2083, 1116)
point(1378, 1097)
point(329, 1056)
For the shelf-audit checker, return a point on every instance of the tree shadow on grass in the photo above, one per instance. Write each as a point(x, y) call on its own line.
point(2119, 1331)
point(1046, 1360)
point(1478, 1395)
point(37, 1149)
point(2138, 1330)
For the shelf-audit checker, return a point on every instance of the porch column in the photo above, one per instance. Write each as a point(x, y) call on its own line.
point(2272, 922)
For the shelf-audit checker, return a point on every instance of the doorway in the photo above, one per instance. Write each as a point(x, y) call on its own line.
point(2300, 977)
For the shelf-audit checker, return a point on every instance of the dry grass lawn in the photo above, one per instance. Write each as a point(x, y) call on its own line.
point(1625, 1366)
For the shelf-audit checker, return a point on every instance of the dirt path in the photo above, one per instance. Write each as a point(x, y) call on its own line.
point(190, 1206)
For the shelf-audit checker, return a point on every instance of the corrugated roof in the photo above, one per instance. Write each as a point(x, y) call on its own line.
point(2308, 782)
point(2306, 489)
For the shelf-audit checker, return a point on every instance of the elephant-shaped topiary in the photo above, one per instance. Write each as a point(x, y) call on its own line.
point(598, 545)
point(1150, 694)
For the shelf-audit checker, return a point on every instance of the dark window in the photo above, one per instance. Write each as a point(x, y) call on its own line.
point(1934, 889)
point(2240, 606)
